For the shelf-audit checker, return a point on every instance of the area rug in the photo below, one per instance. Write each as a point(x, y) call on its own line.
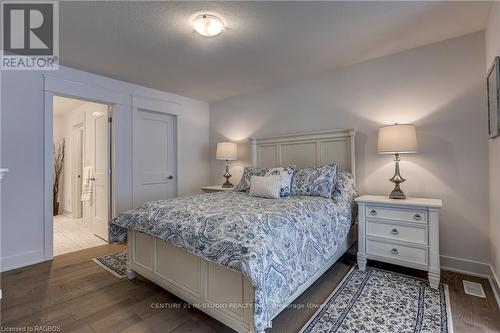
point(115, 263)
point(381, 301)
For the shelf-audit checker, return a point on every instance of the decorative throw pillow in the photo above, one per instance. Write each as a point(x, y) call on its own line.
point(286, 175)
point(345, 192)
point(244, 184)
point(318, 181)
point(345, 188)
point(265, 186)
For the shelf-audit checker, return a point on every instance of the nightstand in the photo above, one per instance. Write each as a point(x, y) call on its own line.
point(216, 188)
point(401, 232)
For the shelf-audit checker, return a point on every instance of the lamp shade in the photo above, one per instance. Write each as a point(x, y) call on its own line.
point(226, 151)
point(397, 139)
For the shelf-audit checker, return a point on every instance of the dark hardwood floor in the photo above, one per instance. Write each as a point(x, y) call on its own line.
point(75, 294)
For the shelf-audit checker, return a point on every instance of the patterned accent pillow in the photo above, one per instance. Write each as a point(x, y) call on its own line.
point(265, 186)
point(345, 192)
point(344, 187)
point(286, 175)
point(318, 181)
point(244, 184)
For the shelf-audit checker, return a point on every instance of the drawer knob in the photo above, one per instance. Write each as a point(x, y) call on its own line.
point(373, 212)
point(417, 217)
point(394, 231)
point(394, 251)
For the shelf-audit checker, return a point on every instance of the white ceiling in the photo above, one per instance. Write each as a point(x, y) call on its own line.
point(266, 43)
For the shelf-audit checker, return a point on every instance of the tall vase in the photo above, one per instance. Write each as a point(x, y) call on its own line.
point(55, 207)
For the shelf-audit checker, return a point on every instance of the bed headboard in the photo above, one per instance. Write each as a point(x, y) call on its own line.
point(306, 150)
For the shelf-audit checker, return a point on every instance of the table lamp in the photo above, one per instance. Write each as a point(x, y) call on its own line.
point(227, 151)
point(397, 139)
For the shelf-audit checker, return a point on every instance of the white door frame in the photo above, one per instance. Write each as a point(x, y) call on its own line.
point(54, 86)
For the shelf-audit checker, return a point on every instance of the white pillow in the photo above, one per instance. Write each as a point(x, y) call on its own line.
point(286, 178)
point(265, 186)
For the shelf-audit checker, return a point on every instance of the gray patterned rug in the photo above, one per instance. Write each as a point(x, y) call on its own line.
point(115, 263)
point(382, 301)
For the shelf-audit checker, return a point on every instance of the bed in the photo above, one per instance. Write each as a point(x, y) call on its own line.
point(243, 259)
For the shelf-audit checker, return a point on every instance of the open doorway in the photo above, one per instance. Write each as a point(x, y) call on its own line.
point(81, 185)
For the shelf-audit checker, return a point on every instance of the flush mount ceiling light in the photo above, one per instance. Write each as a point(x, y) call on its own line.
point(208, 25)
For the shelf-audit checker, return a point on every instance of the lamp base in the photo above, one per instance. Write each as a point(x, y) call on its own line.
point(227, 184)
point(227, 175)
point(397, 193)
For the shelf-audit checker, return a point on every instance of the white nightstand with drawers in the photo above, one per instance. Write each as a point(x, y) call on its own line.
point(401, 232)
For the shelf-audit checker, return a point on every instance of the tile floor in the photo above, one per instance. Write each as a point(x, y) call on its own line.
point(72, 235)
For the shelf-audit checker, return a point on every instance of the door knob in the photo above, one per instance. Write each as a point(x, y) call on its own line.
point(170, 177)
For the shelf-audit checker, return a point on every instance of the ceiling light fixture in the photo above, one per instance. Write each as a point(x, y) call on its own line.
point(208, 25)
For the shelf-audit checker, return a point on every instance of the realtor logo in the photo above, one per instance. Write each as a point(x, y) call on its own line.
point(30, 37)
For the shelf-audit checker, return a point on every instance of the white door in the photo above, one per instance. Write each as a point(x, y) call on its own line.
point(101, 164)
point(154, 156)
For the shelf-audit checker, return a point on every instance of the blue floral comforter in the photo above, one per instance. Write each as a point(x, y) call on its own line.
point(276, 243)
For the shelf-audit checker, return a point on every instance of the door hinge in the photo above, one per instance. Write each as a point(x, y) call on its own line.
point(110, 120)
point(109, 171)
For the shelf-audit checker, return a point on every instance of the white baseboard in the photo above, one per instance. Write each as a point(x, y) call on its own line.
point(21, 260)
point(465, 266)
point(494, 282)
point(66, 212)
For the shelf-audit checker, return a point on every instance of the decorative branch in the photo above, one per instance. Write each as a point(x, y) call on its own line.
point(58, 169)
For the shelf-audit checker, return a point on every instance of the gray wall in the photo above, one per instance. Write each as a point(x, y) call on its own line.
point(492, 50)
point(439, 87)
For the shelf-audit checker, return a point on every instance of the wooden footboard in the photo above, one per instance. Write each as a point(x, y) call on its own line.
point(224, 294)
